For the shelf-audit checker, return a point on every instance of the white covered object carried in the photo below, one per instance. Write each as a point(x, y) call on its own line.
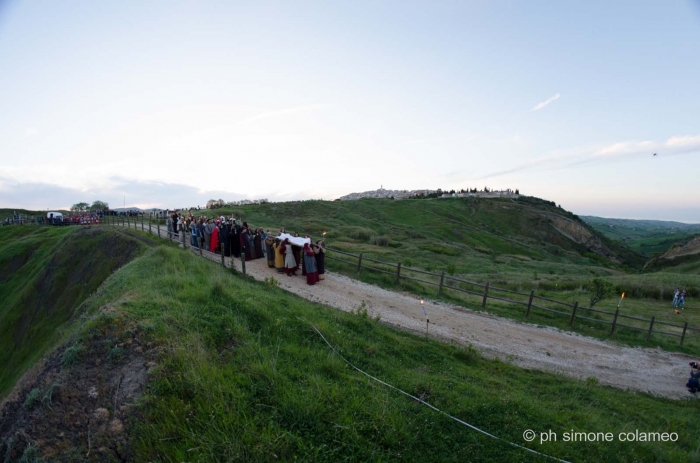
point(294, 240)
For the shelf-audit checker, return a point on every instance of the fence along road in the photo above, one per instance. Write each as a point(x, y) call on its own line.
point(529, 346)
point(530, 301)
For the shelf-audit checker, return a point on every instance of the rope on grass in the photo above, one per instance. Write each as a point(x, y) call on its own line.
point(432, 406)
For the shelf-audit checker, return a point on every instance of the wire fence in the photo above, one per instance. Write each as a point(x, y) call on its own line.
point(481, 293)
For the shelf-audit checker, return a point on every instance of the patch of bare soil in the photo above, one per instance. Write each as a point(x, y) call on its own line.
point(79, 405)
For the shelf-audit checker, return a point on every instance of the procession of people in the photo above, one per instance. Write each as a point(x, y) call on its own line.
point(285, 253)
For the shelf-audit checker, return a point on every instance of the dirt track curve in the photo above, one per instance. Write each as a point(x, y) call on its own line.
point(649, 370)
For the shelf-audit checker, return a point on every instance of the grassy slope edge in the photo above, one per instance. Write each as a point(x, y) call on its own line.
point(45, 274)
point(243, 375)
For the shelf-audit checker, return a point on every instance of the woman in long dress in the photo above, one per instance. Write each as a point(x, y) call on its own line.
point(310, 265)
point(320, 252)
point(214, 240)
point(296, 250)
point(269, 252)
point(290, 264)
point(279, 256)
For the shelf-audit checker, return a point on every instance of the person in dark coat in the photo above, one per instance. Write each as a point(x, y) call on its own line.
point(258, 243)
point(236, 239)
point(320, 252)
point(269, 251)
point(245, 244)
point(225, 239)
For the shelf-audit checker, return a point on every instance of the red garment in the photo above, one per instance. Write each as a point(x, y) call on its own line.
point(311, 277)
point(214, 240)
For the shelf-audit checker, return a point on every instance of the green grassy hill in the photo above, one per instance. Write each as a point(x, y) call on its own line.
point(471, 233)
point(237, 371)
point(648, 237)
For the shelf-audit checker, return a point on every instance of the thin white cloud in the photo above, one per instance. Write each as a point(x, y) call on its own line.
point(31, 132)
point(675, 145)
point(683, 144)
point(546, 102)
point(626, 148)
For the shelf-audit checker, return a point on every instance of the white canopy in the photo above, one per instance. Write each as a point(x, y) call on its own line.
point(294, 240)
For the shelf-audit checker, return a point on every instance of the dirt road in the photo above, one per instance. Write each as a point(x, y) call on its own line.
point(649, 370)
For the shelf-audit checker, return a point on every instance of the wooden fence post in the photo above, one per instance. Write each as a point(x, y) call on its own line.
point(142, 228)
point(612, 328)
point(573, 314)
point(398, 272)
point(158, 230)
point(651, 326)
point(529, 303)
point(243, 261)
point(201, 243)
point(442, 280)
point(685, 327)
point(184, 247)
point(149, 226)
point(359, 264)
point(486, 294)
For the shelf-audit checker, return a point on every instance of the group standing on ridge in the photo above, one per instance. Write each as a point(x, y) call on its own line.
point(239, 239)
point(679, 298)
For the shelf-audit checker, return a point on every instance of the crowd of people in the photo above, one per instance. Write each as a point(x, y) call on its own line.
point(679, 298)
point(284, 252)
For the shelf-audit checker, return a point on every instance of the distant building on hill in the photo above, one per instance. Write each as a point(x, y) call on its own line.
point(406, 194)
point(484, 194)
point(382, 193)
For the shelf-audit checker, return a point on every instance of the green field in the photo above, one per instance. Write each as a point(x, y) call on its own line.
point(243, 375)
point(648, 237)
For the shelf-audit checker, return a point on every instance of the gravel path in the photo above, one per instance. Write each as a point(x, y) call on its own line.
point(649, 370)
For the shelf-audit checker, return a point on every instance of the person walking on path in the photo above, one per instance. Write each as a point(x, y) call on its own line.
point(279, 256)
point(681, 300)
point(676, 293)
point(310, 265)
point(269, 252)
point(290, 263)
point(320, 252)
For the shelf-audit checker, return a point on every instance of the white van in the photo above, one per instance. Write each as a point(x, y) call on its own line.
point(57, 216)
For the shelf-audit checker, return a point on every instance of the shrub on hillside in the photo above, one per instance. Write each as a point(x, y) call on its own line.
point(437, 249)
point(379, 240)
point(71, 355)
point(358, 233)
point(600, 289)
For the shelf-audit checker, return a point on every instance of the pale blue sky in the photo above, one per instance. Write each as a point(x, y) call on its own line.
point(171, 103)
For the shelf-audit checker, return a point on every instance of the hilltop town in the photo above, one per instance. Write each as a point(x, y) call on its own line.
point(439, 193)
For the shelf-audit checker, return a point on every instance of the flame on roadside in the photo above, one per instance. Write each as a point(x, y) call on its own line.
point(623, 295)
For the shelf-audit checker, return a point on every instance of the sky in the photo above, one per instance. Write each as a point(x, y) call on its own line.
point(169, 104)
